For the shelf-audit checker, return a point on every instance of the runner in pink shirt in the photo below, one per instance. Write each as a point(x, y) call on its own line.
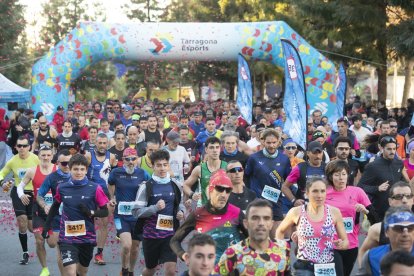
point(351, 201)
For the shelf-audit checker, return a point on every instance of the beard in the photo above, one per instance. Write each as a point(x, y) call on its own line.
point(129, 170)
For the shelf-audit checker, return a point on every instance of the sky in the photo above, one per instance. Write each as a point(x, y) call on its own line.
point(112, 9)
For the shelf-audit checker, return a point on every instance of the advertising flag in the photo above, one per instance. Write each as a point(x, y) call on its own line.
point(294, 101)
point(340, 97)
point(244, 90)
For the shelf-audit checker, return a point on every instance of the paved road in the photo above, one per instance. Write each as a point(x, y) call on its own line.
point(11, 250)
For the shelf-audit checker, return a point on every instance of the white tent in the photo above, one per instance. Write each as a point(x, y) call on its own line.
point(11, 92)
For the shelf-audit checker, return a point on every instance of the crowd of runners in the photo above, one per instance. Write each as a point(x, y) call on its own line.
point(245, 195)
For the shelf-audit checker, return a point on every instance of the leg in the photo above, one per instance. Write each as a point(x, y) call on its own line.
point(169, 268)
point(133, 255)
point(40, 249)
point(69, 270)
point(126, 243)
point(148, 272)
point(81, 270)
point(53, 239)
point(59, 260)
point(22, 223)
point(102, 234)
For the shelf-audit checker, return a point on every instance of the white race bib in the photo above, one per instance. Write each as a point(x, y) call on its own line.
point(271, 193)
point(165, 223)
point(125, 208)
point(349, 224)
point(324, 269)
point(75, 228)
point(48, 199)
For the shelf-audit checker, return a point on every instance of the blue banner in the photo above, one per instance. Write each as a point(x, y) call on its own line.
point(340, 97)
point(294, 101)
point(244, 90)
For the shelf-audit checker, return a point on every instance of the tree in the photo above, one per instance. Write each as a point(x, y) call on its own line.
point(13, 41)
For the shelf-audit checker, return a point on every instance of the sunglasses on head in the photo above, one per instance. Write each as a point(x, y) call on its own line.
point(64, 163)
point(129, 159)
point(388, 139)
point(235, 169)
point(291, 148)
point(22, 145)
point(401, 228)
point(221, 189)
point(45, 147)
point(401, 196)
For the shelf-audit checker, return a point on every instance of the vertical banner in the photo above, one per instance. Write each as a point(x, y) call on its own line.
point(340, 97)
point(244, 90)
point(294, 101)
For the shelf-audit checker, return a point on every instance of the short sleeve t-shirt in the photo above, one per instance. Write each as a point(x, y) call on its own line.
point(345, 201)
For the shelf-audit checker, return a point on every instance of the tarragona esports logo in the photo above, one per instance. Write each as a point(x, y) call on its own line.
point(162, 43)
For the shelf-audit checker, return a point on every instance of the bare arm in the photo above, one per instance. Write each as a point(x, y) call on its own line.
point(34, 145)
point(113, 160)
point(291, 219)
point(191, 180)
point(20, 188)
point(371, 241)
point(88, 157)
point(342, 243)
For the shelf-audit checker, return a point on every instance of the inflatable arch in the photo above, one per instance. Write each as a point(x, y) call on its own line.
point(92, 42)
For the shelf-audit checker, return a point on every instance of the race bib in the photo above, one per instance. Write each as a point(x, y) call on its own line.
point(271, 193)
point(349, 225)
point(125, 208)
point(75, 228)
point(324, 269)
point(165, 223)
point(48, 199)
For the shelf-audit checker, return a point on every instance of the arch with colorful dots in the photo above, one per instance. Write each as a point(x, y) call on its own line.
point(91, 42)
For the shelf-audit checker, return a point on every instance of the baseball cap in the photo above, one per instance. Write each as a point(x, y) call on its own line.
point(404, 218)
point(219, 178)
point(198, 113)
point(315, 146)
point(143, 118)
point(129, 151)
point(135, 117)
point(173, 136)
point(60, 107)
point(127, 108)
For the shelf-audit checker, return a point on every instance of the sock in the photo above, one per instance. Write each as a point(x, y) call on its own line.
point(23, 241)
point(100, 250)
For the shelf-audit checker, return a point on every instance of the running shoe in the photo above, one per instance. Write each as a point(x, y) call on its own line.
point(25, 259)
point(44, 272)
point(99, 259)
point(124, 272)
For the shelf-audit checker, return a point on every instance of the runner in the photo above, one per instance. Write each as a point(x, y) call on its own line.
point(264, 255)
point(202, 172)
point(82, 201)
point(119, 146)
point(218, 218)
point(100, 162)
point(45, 135)
point(230, 141)
point(144, 162)
point(158, 210)
point(200, 256)
point(18, 165)
point(123, 186)
point(316, 224)
point(44, 200)
point(179, 160)
point(36, 176)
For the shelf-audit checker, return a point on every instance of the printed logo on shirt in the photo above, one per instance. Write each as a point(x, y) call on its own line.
point(227, 224)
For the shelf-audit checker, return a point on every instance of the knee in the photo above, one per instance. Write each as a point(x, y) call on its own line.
point(40, 242)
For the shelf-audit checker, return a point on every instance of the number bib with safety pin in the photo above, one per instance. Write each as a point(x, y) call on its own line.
point(75, 228)
point(48, 199)
point(271, 193)
point(165, 223)
point(125, 208)
point(324, 269)
point(349, 224)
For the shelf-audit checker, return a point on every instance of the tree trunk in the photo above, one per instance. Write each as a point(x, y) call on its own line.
point(407, 83)
point(231, 90)
point(262, 86)
point(382, 83)
point(382, 50)
point(200, 93)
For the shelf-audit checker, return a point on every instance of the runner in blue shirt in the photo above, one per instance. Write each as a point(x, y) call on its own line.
point(267, 169)
point(124, 183)
point(82, 201)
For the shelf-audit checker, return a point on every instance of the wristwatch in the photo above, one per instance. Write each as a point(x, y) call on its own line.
point(293, 200)
point(92, 213)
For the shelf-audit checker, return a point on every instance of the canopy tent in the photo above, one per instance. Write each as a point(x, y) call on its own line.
point(11, 92)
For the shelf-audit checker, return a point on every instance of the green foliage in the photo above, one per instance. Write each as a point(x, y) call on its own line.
point(13, 44)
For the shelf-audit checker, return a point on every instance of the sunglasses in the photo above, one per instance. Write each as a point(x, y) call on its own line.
point(401, 196)
point(400, 228)
point(393, 126)
point(64, 163)
point(148, 110)
point(388, 139)
point(42, 123)
point(129, 159)
point(45, 147)
point(235, 169)
point(221, 189)
point(291, 148)
point(22, 145)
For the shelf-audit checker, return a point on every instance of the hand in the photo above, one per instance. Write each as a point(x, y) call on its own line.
point(7, 185)
point(45, 233)
point(188, 203)
point(353, 152)
point(294, 237)
point(361, 208)
point(384, 186)
point(180, 215)
point(46, 209)
point(339, 244)
point(160, 204)
point(298, 202)
point(25, 199)
point(196, 196)
point(84, 210)
point(112, 202)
